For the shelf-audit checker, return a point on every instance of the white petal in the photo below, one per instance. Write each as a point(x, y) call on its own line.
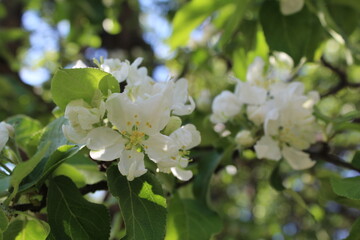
point(131, 164)
point(255, 71)
point(103, 137)
point(121, 111)
point(297, 159)
point(73, 135)
point(79, 64)
point(155, 111)
point(4, 134)
point(105, 144)
point(250, 94)
point(180, 98)
point(271, 123)
point(184, 109)
point(160, 147)
point(186, 137)
point(225, 106)
point(268, 148)
point(181, 174)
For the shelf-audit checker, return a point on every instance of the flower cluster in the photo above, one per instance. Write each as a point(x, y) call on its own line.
point(276, 109)
point(140, 121)
point(6, 131)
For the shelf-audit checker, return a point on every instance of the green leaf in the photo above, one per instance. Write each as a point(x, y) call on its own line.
point(347, 126)
point(54, 135)
point(276, 180)
point(298, 34)
point(189, 219)
point(346, 187)
point(234, 21)
point(4, 184)
point(109, 83)
point(207, 165)
point(345, 17)
point(54, 155)
point(34, 230)
point(242, 57)
point(80, 83)
point(14, 228)
point(23, 169)
point(347, 117)
point(71, 216)
point(142, 204)
point(72, 173)
point(25, 130)
point(356, 159)
point(355, 4)
point(355, 231)
point(190, 16)
point(47, 166)
point(4, 222)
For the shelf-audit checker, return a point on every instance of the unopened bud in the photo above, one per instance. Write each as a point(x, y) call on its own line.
point(173, 124)
point(244, 138)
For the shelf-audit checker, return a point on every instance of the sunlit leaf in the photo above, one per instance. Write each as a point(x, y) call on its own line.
point(24, 168)
point(13, 230)
point(80, 83)
point(34, 230)
point(191, 15)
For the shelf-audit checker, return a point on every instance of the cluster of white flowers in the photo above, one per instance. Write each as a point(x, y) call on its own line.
point(6, 131)
point(278, 109)
point(131, 124)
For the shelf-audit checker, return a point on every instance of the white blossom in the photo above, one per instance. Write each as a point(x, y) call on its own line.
point(281, 66)
point(269, 148)
point(225, 106)
point(82, 118)
point(120, 70)
point(177, 159)
point(279, 109)
point(138, 125)
point(131, 124)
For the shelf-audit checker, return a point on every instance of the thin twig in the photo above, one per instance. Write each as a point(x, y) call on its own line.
point(102, 185)
point(343, 78)
point(321, 151)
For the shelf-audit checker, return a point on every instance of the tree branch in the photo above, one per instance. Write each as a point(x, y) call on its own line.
point(321, 151)
point(343, 78)
point(102, 185)
point(90, 188)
